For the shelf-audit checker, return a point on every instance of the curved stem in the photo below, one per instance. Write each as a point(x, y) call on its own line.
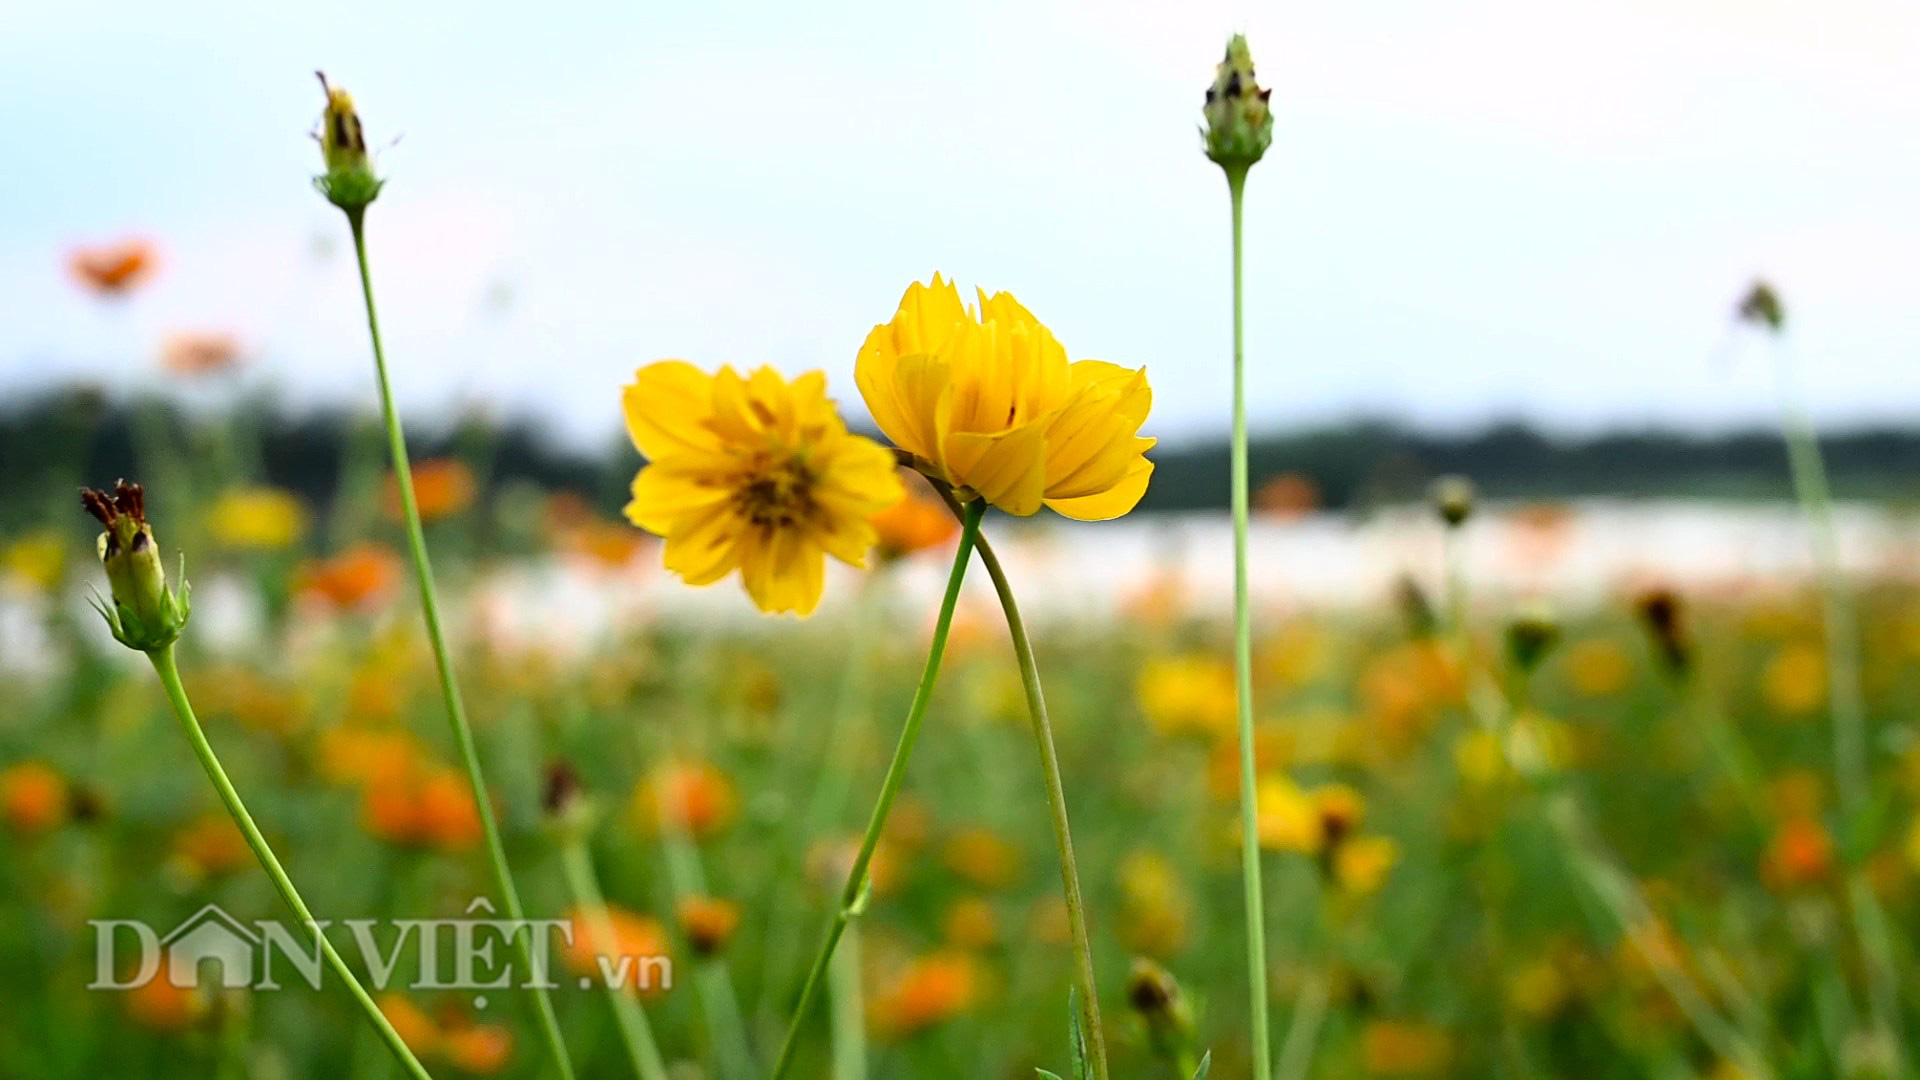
point(853, 896)
point(537, 981)
point(635, 1032)
point(1056, 810)
point(1243, 671)
point(169, 672)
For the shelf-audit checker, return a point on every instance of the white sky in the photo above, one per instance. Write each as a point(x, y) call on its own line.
point(1474, 209)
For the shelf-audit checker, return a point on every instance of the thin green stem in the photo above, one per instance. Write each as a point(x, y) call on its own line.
point(1846, 698)
point(686, 879)
point(537, 981)
point(1056, 811)
point(849, 1023)
point(169, 672)
point(635, 1031)
point(853, 895)
point(1243, 669)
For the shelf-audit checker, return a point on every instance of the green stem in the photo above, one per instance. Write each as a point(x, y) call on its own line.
point(537, 981)
point(1056, 810)
point(169, 672)
point(1852, 773)
point(686, 878)
point(635, 1032)
point(849, 1025)
point(853, 896)
point(1243, 670)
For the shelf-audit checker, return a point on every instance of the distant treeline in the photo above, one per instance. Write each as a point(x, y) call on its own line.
point(52, 442)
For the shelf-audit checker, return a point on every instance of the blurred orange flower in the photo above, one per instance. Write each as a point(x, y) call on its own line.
point(708, 922)
point(199, 353)
point(480, 1049)
point(158, 1005)
point(33, 797)
point(932, 990)
point(355, 578)
point(442, 487)
point(637, 945)
point(211, 845)
point(917, 522)
point(411, 1022)
point(427, 806)
point(1288, 496)
point(113, 269)
point(1799, 855)
point(1402, 1048)
point(694, 795)
point(982, 859)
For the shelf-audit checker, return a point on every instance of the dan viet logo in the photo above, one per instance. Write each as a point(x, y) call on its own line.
point(211, 948)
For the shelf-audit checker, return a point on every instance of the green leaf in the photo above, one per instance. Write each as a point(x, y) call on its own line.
point(1045, 1075)
point(1206, 1066)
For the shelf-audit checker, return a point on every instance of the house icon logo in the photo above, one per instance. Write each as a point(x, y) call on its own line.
point(206, 938)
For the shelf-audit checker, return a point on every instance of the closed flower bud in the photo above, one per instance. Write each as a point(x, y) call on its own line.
point(144, 614)
point(568, 809)
point(1239, 126)
point(349, 182)
point(1453, 498)
point(1162, 1008)
point(1762, 308)
point(1660, 610)
point(1530, 636)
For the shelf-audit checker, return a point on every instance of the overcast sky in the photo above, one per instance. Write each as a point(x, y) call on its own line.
point(1474, 209)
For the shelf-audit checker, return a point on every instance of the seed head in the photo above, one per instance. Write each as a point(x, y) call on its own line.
point(1239, 126)
point(144, 614)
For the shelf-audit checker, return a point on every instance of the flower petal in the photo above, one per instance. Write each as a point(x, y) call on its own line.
point(1111, 503)
point(667, 406)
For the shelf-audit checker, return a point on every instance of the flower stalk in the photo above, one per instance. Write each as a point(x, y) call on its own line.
point(1089, 995)
point(635, 1032)
point(853, 896)
point(350, 184)
point(169, 673)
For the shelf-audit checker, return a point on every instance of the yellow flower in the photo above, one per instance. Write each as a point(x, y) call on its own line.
point(755, 473)
point(257, 519)
point(1186, 695)
point(986, 400)
point(1404, 1048)
point(1361, 865)
point(40, 557)
point(1795, 680)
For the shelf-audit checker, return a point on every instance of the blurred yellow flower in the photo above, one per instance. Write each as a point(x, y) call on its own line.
point(1795, 680)
point(1361, 864)
point(1478, 757)
point(38, 558)
point(1155, 905)
point(986, 399)
point(1289, 820)
point(755, 473)
point(982, 859)
point(1190, 695)
point(257, 519)
point(1599, 667)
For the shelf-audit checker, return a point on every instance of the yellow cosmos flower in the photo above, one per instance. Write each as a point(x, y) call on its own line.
point(987, 400)
point(257, 519)
point(755, 473)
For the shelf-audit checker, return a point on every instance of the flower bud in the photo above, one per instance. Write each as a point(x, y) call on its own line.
point(568, 809)
point(145, 614)
point(1660, 610)
point(349, 182)
point(1762, 308)
point(1453, 498)
point(1162, 1008)
point(1239, 126)
point(1530, 636)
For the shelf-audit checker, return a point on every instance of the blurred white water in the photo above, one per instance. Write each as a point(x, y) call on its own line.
point(1575, 554)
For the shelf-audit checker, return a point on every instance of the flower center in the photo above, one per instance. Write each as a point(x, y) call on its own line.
point(777, 492)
